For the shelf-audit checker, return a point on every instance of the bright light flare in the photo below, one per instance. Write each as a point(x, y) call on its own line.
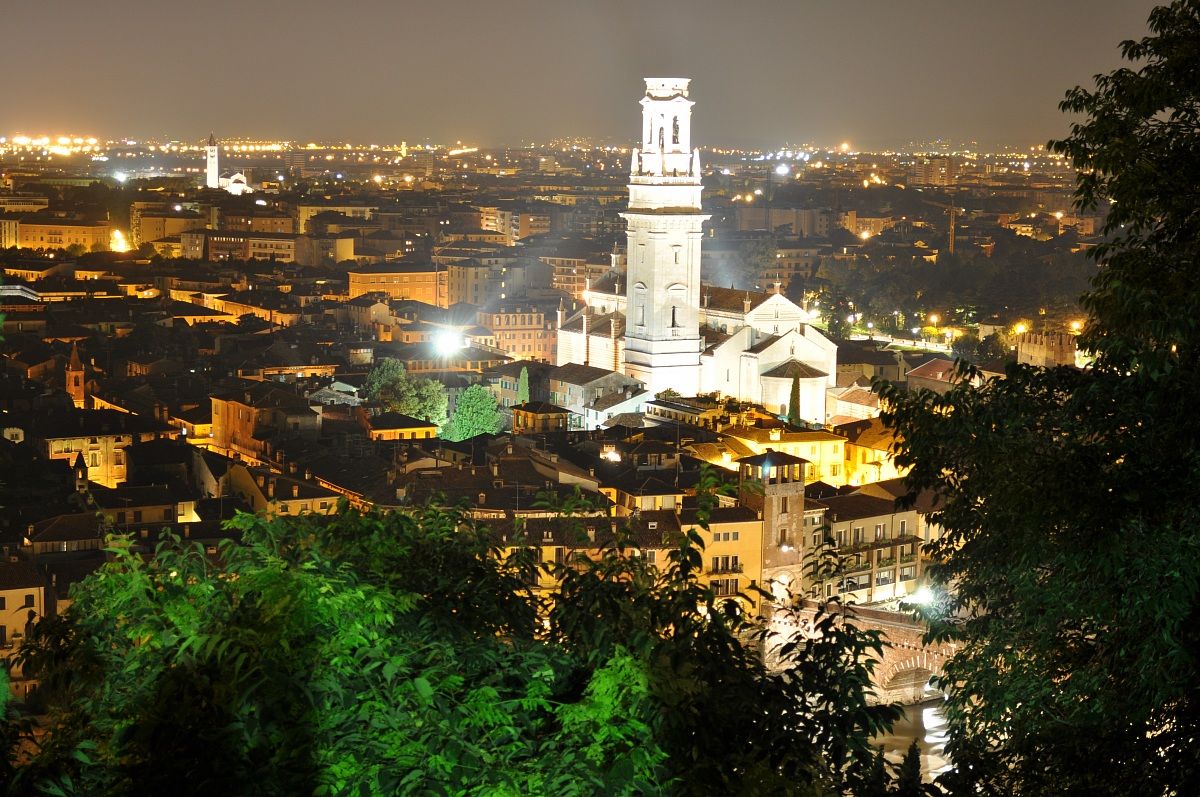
point(447, 342)
point(117, 242)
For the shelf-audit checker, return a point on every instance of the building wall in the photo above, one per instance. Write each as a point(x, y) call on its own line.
point(62, 234)
point(423, 286)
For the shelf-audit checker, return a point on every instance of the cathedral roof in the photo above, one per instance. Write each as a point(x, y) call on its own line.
point(792, 369)
point(597, 324)
point(730, 300)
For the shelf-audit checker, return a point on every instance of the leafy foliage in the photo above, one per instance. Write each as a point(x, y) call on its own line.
point(390, 384)
point(475, 413)
point(523, 386)
point(794, 401)
point(404, 654)
point(1071, 541)
point(726, 723)
point(908, 783)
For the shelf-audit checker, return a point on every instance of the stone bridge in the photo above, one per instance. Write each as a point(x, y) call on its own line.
point(907, 663)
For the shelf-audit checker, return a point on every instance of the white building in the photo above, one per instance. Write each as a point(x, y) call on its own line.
point(235, 183)
point(659, 324)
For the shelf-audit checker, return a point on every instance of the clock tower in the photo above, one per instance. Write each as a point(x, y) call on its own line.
point(664, 227)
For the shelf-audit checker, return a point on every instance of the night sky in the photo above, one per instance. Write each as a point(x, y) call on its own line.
point(872, 72)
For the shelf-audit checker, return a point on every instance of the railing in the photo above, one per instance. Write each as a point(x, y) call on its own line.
point(723, 569)
point(909, 557)
point(889, 562)
point(855, 568)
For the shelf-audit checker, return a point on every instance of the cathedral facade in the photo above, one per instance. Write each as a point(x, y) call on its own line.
point(658, 323)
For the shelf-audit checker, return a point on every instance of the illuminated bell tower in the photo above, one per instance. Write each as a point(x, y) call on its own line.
point(76, 379)
point(664, 227)
point(212, 173)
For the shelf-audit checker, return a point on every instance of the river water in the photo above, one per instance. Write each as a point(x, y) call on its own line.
point(923, 722)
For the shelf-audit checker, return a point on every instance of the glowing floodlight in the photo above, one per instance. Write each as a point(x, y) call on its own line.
point(447, 342)
point(782, 169)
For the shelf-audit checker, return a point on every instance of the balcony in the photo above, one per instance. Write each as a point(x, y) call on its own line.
point(724, 570)
point(889, 562)
point(855, 568)
point(859, 547)
point(912, 557)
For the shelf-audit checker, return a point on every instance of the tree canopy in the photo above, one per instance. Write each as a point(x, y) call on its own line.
point(405, 654)
point(1071, 540)
point(391, 385)
point(475, 413)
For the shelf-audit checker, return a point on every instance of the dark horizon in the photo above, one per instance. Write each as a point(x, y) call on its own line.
point(871, 73)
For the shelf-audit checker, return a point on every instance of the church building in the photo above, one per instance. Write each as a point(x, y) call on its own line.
point(658, 324)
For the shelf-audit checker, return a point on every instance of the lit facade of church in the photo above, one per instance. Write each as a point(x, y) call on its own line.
point(658, 324)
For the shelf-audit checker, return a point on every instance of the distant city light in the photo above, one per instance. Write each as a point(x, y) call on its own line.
point(782, 169)
point(845, 147)
point(120, 177)
point(865, 234)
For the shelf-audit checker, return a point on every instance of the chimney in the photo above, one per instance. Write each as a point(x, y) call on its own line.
point(482, 499)
point(308, 474)
point(271, 489)
point(746, 303)
point(495, 468)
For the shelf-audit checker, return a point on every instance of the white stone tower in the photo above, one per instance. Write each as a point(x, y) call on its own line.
point(212, 171)
point(665, 227)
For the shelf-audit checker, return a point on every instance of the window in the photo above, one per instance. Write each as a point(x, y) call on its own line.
point(880, 531)
point(3, 603)
point(95, 459)
point(903, 525)
point(28, 601)
point(725, 587)
point(168, 514)
point(858, 534)
point(121, 518)
point(137, 516)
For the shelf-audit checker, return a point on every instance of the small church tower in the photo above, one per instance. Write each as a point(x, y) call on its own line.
point(76, 379)
point(664, 226)
point(212, 170)
point(79, 470)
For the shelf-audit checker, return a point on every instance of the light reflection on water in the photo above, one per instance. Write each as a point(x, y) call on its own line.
point(923, 722)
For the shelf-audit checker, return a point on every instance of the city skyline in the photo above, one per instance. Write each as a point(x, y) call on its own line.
point(937, 71)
